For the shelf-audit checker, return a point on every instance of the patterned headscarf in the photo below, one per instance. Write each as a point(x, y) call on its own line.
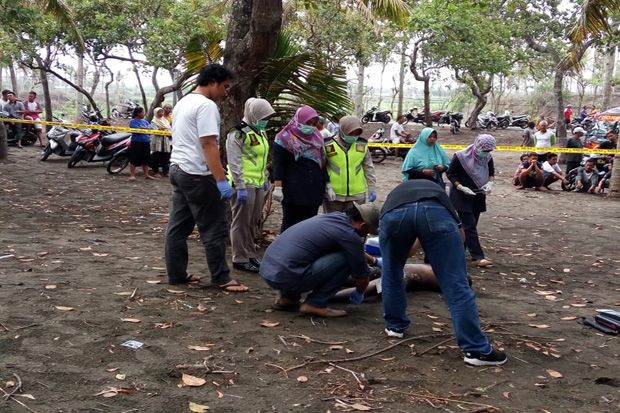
point(477, 167)
point(292, 139)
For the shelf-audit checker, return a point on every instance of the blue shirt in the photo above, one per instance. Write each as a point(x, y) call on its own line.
point(140, 124)
point(290, 257)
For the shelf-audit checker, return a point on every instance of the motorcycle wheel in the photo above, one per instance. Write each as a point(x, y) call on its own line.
point(378, 155)
point(406, 121)
point(29, 139)
point(365, 119)
point(452, 129)
point(388, 119)
point(117, 164)
point(523, 125)
point(503, 125)
point(75, 158)
point(46, 153)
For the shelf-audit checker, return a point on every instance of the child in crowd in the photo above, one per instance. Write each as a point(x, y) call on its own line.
point(515, 178)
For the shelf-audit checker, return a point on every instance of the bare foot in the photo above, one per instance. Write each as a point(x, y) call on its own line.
point(520, 187)
point(321, 312)
point(233, 286)
point(132, 178)
point(149, 177)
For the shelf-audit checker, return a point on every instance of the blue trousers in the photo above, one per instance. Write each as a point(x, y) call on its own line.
point(438, 232)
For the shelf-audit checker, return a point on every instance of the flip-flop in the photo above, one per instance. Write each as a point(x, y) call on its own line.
point(293, 307)
point(191, 279)
point(233, 286)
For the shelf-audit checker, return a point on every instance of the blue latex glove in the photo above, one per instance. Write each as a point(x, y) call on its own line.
point(226, 191)
point(356, 297)
point(372, 196)
point(242, 196)
point(266, 186)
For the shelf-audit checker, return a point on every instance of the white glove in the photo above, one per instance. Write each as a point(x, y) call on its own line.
point(329, 192)
point(465, 190)
point(488, 187)
point(277, 194)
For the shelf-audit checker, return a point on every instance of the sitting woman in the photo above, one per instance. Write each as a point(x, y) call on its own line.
point(427, 159)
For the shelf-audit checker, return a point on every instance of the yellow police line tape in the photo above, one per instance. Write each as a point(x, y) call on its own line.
point(370, 144)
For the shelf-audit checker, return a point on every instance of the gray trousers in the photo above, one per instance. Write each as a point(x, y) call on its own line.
point(245, 219)
point(196, 201)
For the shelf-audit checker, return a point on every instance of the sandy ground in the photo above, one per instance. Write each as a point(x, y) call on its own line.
point(87, 255)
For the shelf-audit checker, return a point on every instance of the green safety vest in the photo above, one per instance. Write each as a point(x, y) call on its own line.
point(254, 153)
point(346, 168)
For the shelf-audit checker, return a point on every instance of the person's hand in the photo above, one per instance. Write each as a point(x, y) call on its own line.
point(488, 187)
point(440, 168)
point(277, 194)
point(356, 297)
point(579, 185)
point(242, 196)
point(465, 190)
point(329, 193)
point(372, 196)
point(428, 172)
point(462, 232)
point(226, 191)
point(266, 186)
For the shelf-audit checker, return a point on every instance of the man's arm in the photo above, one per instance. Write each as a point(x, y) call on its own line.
point(211, 155)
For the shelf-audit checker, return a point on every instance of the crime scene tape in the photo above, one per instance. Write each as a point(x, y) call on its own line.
point(500, 148)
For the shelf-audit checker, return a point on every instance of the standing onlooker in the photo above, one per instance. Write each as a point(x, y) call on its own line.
point(15, 109)
point(544, 138)
point(199, 185)
point(325, 133)
point(573, 160)
point(552, 171)
point(168, 112)
point(160, 144)
point(472, 172)
point(398, 134)
point(568, 114)
point(583, 114)
point(427, 159)
point(299, 168)
point(420, 210)
point(333, 126)
point(528, 135)
point(247, 150)
point(140, 148)
point(32, 110)
point(350, 168)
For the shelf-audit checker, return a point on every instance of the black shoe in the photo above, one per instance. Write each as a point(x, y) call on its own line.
point(494, 358)
point(255, 262)
point(245, 266)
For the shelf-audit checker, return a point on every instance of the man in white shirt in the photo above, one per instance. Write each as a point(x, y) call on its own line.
point(544, 138)
point(199, 185)
point(397, 132)
point(5, 98)
point(552, 171)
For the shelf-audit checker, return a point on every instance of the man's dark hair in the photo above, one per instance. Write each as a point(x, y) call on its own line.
point(524, 155)
point(214, 73)
point(531, 125)
point(551, 155)
point(33, 92)
point(354, 214)
point(136, 111)
point(534, 154)
point(6, 92)
point(590, 161)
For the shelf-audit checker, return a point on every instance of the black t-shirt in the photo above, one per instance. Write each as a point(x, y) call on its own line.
point(417, 190)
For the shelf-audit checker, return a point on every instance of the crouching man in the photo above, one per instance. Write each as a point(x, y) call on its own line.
point(317, 256)
point(420, 209)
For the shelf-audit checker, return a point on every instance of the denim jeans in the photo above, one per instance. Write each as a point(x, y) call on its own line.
point(196, 201)
point(324, 279)
point(437, 230)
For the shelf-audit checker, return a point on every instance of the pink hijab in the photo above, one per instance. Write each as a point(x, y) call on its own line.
point(292, 139)
point(477, 167)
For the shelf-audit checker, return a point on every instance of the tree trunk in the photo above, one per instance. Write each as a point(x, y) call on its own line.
point(178, 94)
point(610, 64)
point(383, 65)
point(401, 76)
point(96, 80)
point(107, 92)
point(560, 126)
point(359, 90)
point(47, 98)
point(614, 181)
point(161, 92)
point(79, 81)
point(481, 102)
point(428, 119)
point(13, 76)
point(253, 31)
point(4, 147)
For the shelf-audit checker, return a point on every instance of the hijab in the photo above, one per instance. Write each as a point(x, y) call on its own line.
point(292, 139)
point(255, 110)
point(348, 124)
point(423, 155)
point(476, 166)
point(160, 121)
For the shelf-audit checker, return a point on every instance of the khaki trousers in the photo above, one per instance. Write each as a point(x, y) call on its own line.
point(245, 219)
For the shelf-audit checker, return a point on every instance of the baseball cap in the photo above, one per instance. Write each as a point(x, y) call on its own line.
point(579, 130)
point(370, 214)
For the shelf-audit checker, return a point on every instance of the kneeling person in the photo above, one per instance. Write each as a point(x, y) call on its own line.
point(318, 255)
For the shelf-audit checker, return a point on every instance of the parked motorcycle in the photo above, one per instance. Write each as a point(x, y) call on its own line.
point(29, 134)
point(503, 122)
point(417, 118)
point(60, 141)
point(373, 115)
point(100, 147)
point(124, 110)
point(486, 122)
point(379, 154)
point(520, 121)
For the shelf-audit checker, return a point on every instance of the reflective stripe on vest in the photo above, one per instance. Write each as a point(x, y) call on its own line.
point(254, 153)
point(346, 168)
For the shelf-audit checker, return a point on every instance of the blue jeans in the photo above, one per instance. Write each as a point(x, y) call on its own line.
point(438, 232)
point(325, 278)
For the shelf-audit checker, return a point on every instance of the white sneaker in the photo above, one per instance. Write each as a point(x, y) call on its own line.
point(395, 334)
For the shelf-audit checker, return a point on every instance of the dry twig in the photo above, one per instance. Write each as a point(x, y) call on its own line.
point(312, 340)
point(435, 346)
point(278, 367)
point(445, 399)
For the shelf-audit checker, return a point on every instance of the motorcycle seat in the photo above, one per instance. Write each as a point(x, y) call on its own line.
point(115, 138)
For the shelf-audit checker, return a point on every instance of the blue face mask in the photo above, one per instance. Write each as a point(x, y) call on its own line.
point(483, 154)
point(349, 139)
point(307, 129)
point(261, 124)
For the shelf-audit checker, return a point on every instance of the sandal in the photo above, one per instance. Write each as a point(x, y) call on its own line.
point(233, 286)
point(190, 279)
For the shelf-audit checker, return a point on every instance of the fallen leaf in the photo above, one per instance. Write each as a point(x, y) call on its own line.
point(200, 348)
point(219, 394)
point(86, 249)
point(164, 326)
point(566, 270)
point(120, 377)
point(551, 297)
point(153, 281)
point(112, 370)
point(360, 407)
point(269, 324)
point(568, 318)
point(197, 408)
point(175, 291)
point(50, 287)
point(437, 329)
point(97, 254)
point(26, 396)
point(131, 320)
point(201, 307)
point(544, 292)
point(63, 308)
point(531, 314)
point(506, 394)
point(578, 305)
point(539, 325)
point(9, 384)
point(432, 316)
point(302, 379)
point(336, 347)
point(192, 381)
point(113, 391)
point(329, 369)
point(554, 374)
point(123, 293)
point(238, 301)
point(349, 351)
